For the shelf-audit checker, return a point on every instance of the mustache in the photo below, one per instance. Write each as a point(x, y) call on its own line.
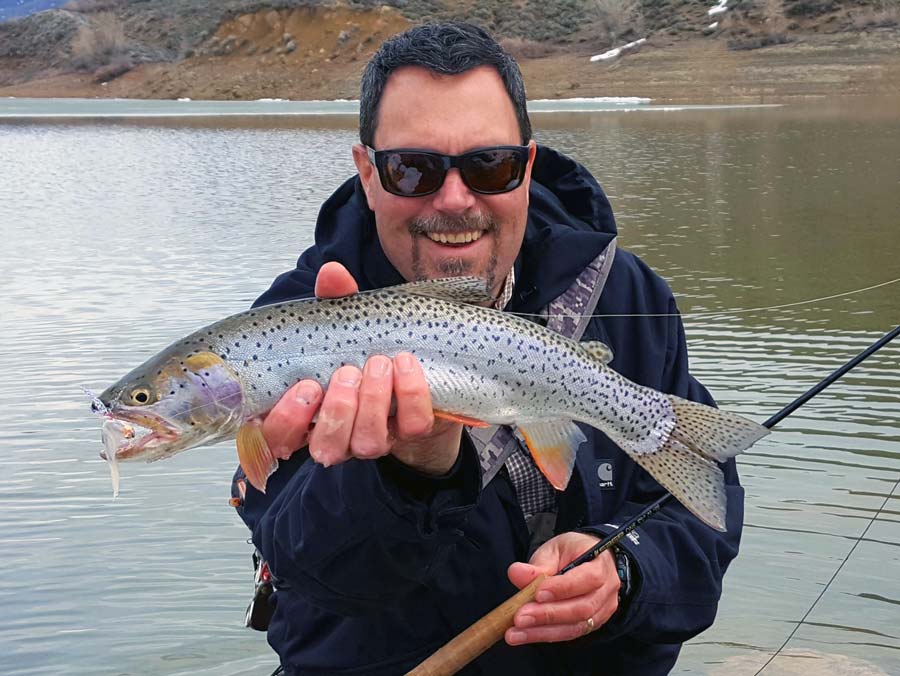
point(451, 224)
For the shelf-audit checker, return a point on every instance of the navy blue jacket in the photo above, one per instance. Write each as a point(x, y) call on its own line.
point(379, 566)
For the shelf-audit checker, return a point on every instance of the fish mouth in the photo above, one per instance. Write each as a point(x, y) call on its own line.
point(150, 430)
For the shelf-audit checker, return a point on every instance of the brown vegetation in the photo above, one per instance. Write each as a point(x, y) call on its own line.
point(520, 48)
point(882, 14)
point(89, 6)
point(100, 43)
point(620, 19)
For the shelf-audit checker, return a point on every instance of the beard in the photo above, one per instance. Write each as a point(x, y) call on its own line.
point(455, 266)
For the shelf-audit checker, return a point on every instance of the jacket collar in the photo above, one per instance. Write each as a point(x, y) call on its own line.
point(569, 223)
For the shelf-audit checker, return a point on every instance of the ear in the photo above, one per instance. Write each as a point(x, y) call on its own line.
point(532, 153)
point(367, 172)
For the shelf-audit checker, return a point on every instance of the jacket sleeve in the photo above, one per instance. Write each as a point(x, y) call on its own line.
point(679, 561)
point(361, 533)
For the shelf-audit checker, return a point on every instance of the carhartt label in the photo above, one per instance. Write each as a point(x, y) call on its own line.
point(605, 475)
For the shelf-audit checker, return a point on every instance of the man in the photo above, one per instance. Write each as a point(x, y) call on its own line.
point(390, 530)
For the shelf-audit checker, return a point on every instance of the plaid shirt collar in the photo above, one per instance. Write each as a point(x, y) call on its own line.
point(506, 294)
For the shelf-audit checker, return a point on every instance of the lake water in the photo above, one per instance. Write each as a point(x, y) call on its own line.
point(120, 235)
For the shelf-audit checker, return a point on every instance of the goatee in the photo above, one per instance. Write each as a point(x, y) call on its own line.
point(451, 266)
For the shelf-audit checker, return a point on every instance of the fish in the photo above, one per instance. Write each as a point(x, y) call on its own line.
point(483, 366)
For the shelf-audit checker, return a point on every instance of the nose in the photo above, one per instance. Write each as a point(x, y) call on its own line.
point(454, 196)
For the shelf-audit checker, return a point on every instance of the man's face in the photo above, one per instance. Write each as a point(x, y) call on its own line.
point(449, 114)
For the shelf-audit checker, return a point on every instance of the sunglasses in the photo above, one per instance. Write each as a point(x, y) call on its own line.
point(416, 173)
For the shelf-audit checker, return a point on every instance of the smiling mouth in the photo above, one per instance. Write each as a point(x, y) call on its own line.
point(456, 238)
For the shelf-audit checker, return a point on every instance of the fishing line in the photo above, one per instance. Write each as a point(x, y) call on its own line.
point(714, 313)
point(828, 584)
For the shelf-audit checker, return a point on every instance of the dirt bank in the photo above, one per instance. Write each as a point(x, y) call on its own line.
point(319, 53)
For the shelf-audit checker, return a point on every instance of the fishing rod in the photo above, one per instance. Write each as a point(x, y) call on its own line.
point(480, 636)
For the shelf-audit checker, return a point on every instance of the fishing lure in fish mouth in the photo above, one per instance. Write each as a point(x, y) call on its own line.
point(483, 367)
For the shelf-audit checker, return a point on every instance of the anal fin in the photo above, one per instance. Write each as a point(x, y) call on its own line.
point(553, 445)
point(254, 454)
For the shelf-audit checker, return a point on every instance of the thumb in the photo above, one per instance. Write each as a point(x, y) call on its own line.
point(334, 281)
point(546, 557)
point(545, 560)
point(522, 574)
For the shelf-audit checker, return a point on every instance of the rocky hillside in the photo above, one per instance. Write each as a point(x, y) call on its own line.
point(315, 49)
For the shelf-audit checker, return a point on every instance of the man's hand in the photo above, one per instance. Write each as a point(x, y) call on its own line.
point(564, 603)
point(353, 415)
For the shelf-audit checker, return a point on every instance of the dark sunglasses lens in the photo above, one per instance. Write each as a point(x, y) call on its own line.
point(494, 170)
point(411, 173)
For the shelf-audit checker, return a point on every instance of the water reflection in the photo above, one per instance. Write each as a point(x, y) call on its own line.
point(118, 238)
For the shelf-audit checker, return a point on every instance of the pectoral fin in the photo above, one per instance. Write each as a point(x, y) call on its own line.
point(255, 457)
point(553, 445)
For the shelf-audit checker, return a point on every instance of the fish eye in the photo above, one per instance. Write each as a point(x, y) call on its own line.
point(140, 396)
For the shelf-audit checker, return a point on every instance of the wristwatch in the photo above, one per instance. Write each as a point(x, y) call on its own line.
point(623, 568)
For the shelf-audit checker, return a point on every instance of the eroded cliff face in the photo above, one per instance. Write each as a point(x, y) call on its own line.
point(304, 34)
point(302, 52)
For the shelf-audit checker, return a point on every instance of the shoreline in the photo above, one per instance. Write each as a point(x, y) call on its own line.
point(697, 71)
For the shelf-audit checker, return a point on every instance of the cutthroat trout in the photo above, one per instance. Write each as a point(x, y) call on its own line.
point(483, 367)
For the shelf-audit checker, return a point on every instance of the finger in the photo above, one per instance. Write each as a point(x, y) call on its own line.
point(286, 427)
point(523, 574)
point(414, 417)
point(580, 580)
point(560, 632)
point(333, 281)
point(598, 605)
point(329, 440)
point(370, 438)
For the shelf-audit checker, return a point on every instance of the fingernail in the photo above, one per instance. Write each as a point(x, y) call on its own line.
point(516, 636)
point(377, 366)
point(320, 458)
point(307, 393)
point(404, 362)
point(348, 375)
point(543, 597)
point(525, 621)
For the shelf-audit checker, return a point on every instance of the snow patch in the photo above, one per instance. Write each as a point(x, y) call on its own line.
point(720, 7)
point(625, 100)
point(613, 53)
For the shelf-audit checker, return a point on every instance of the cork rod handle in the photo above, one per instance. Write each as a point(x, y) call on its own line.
point(468, 645)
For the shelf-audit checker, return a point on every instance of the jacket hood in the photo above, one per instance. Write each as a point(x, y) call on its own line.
point(570, 222)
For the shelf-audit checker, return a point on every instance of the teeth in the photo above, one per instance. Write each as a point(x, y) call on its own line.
point(455, 238)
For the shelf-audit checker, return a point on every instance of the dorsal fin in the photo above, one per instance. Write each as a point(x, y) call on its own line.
point(472, 290)
point(598, 350)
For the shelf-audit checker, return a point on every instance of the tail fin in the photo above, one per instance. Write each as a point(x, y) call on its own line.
point(685, 464)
